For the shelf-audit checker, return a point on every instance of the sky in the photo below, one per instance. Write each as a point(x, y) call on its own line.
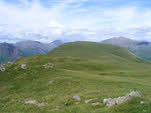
point(74, 20)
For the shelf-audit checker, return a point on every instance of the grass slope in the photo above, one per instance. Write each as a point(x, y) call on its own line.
point(113, 72)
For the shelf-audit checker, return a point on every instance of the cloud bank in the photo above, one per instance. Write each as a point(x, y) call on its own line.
point(72, 20)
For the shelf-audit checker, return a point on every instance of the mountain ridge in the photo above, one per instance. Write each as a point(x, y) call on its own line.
point(8, 52)
point(27, 48)
point(139, 48)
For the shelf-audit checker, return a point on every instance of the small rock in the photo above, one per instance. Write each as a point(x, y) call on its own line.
point(41, 104)
point(59, 107)
point(31, 102)
point(34, 102)
point(76, 97)
point(24, 66)
point(51, 81)
point(96, 104)
point(142, 102)
point(49, 66)
point(87, 101)
point(15, 68)
point(145, 102)
point(2, 67)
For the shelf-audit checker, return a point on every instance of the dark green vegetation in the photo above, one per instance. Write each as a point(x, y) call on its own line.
point(90, 70)
point(139, 48)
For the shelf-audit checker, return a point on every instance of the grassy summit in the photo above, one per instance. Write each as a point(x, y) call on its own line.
point(90, 70)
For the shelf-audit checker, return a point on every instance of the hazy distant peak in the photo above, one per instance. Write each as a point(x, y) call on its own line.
point(121, 38)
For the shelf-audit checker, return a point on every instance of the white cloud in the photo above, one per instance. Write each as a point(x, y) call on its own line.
point(70, 20)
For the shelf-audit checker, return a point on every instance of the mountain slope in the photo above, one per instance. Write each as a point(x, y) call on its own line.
point(8, 52)
point(89, 70)
point(122, 42)
point(139, 48)
point(34, 47)
point(91, 50)
point(31, 47)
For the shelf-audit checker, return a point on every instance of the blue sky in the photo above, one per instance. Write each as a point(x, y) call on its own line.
point(72, 20)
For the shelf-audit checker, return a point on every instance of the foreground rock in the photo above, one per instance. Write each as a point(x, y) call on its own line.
point(24, 66)
point(116, 101)
point(49, 66)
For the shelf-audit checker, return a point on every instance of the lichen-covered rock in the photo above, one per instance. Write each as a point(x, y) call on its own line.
point(116, 101)
point(24, 66)
point(49, 66)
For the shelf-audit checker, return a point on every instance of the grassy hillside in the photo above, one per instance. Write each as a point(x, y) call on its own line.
point(94, 51)
point(87, 69)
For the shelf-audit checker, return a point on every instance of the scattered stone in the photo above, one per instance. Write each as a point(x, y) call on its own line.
point(24, 66)
point(134, 94)
point(87, 101)
point(96, 104)
point(51, 81)
point(15, 68)
point(77, 103)
point(2, 67)
point(145, 102)
point(49, 66)
point(116, 101)
point(142, 102)
point(34, 102)
point(31, 102)
point(58, 107)
point(76, 97)
point(41, 104)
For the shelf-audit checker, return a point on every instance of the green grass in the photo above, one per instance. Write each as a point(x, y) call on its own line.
point(87, 69)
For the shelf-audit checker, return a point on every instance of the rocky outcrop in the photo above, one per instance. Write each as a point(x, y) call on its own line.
point(116, 101)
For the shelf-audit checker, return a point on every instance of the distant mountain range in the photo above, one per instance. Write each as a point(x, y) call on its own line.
point(10, 52)
point(139, 48)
